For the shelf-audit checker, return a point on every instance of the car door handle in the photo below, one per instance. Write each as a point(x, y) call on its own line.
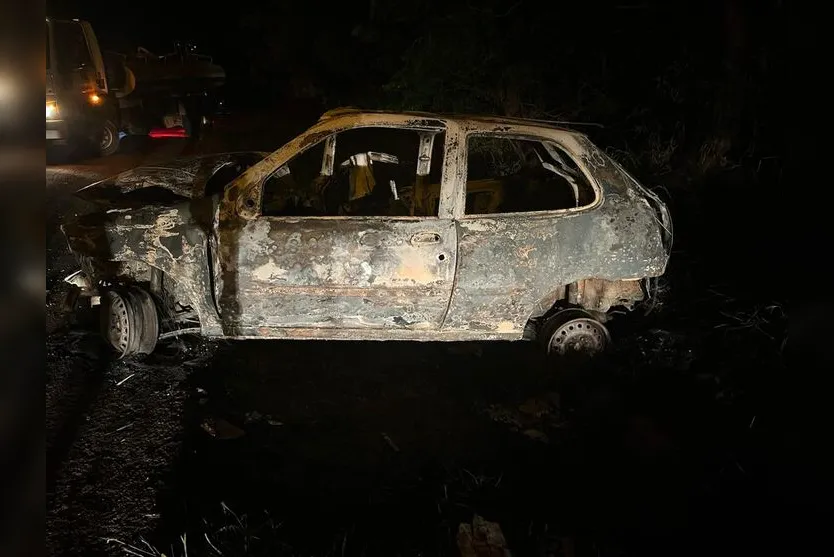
point(425, 238)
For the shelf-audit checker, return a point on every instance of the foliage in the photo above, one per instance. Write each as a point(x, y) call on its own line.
point(675, 91)
point(671, 96)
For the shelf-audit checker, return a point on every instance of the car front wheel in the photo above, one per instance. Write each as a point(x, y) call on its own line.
point(129, 321)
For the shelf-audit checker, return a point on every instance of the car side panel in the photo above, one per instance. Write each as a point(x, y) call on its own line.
point(172, 239)
point(508, 263)
point(335, 273)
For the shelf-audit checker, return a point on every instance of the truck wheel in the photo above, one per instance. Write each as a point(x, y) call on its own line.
point(574, 332)
point(109, 140)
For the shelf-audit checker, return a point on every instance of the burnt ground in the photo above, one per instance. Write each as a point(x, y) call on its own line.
point(685, 439)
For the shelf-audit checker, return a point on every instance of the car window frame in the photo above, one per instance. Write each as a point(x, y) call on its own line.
point(525, 135)
point(328, 139)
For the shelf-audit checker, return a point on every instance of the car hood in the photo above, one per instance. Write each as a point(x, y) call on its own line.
point(107, 233)
point(169, 182)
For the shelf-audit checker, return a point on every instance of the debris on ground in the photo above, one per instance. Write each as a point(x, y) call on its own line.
point(540, 406)
point(503, 415)
point(482, 538)
point(559, 547)
point(531, 418)
point(536, 435)
point(221, 429)
point(389, 442)
point(252, 416)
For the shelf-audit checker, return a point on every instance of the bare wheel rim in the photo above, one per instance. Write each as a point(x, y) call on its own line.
point(582, 335)
point(106, 137)
point(117, 323)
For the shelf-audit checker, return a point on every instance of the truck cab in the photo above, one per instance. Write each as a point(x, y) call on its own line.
point(94, 98)
point(80, 108)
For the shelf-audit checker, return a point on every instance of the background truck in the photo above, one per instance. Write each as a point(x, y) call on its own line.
point(94, 98)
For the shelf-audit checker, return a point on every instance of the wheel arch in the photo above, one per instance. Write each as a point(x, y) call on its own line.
point(156, 279)
point(594, 295)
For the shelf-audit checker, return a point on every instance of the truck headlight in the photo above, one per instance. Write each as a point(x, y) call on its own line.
point(52, 110)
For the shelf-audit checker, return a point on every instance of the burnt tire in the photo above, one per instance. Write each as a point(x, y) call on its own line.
point(129, 321)
point(574, 333)
point(108, 141)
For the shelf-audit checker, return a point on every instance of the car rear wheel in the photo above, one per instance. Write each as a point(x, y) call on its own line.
point(574, 332)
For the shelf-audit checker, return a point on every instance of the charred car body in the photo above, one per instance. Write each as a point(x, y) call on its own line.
point(375, 226)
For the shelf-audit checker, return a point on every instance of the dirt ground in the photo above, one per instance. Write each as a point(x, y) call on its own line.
point(675, 443)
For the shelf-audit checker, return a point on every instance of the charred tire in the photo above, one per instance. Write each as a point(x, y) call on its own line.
point(573, 332)
point(109, 139)
point(129, 321)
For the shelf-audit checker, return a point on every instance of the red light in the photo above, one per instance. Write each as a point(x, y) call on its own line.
point(160, 133)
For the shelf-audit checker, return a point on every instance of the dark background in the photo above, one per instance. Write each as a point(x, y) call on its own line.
point(716, 105)
point(684, 91)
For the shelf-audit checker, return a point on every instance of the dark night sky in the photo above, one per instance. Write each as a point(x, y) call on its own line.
point(214, 27)
point(154, 24)
point(627, 40)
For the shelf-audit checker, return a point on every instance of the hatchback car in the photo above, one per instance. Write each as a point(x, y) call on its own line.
point(376, 226)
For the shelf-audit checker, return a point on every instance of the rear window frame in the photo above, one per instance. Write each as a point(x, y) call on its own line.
point(577, 160)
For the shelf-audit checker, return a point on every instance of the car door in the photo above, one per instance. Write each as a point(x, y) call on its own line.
point(513, 252)
point(309, 267)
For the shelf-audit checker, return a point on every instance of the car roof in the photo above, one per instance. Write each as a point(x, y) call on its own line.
point(459, 118)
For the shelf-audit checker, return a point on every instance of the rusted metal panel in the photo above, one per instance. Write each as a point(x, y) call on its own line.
point(172, 239)
point(507, 263)
point(335, 272)
point(453, 183)
point(319, 333)
point(424, 153)
point(184, 177)
point(601, 295)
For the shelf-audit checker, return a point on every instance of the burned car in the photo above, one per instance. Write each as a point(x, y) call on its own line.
point(376, 226)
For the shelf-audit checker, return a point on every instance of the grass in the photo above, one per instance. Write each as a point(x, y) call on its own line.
point(226, 535)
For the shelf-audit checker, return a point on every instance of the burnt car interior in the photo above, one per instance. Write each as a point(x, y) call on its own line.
point(512, 175)
point(374, 173)
point(377, 171)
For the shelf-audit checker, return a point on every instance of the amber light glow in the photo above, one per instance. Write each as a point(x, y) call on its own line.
point(94, 99)
point(51, 110)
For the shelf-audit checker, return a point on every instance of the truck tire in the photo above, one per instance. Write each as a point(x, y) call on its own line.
point(109, 140)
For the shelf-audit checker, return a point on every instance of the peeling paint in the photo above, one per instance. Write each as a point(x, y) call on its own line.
point(186, 177)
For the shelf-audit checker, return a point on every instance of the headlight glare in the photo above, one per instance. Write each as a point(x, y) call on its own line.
point(52, 110)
